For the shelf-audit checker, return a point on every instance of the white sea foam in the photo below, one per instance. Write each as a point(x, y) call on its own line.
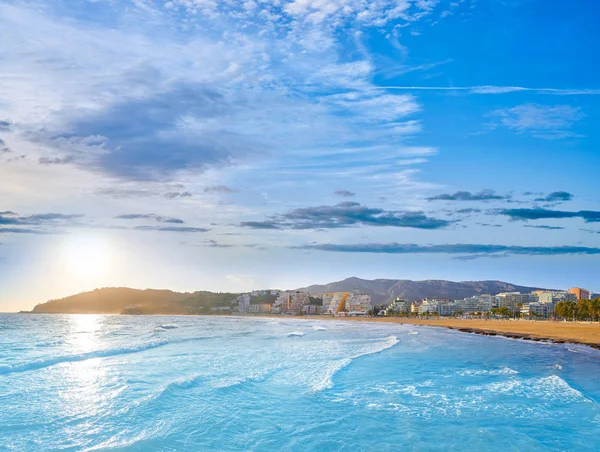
point(548, 388)
point(47, 362)
point(319, 328)
point(334, 367)
point(480, 372)
point(296, 333)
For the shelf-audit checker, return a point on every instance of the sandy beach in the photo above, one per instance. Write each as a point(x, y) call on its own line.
point(580, 333)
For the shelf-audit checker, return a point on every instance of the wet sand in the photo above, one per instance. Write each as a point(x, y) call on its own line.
point(560, 332)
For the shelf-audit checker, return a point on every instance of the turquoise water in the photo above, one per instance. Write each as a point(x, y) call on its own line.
point(84, 382)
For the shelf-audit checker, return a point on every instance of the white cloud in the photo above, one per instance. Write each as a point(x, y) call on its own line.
point(549, 122)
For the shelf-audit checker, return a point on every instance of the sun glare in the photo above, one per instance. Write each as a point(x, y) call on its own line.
point(87, 256)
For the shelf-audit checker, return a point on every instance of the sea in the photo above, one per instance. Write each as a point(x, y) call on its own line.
point(194, 383)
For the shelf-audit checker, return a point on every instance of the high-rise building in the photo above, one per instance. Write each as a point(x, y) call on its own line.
point(337, 302)
point(297, 301)
point(358, 303)
point(244, 303)
point(580, 293)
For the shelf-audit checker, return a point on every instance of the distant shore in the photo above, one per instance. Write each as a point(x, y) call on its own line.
point(558, 332)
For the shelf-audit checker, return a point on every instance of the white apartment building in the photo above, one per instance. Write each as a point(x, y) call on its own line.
point(335, 302)
point(244, 303)
point(297, 301)
point(282, 304)
point(358, 303)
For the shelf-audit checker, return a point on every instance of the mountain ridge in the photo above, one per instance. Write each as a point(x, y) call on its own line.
point(118, 300)
point(383, 290)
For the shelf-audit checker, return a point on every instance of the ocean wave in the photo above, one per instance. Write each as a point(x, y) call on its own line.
point(168, 326)
point(326, 382)
point(318, 328)
point(476, 373)
point(552, 387)
point(47, 362)
point(296, 333)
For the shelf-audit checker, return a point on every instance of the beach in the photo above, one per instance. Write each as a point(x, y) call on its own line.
point(575, 332)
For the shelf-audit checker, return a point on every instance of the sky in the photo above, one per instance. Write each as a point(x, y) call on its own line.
point(234, 145)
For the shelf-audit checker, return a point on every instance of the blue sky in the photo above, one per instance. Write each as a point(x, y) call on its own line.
point(230, 145)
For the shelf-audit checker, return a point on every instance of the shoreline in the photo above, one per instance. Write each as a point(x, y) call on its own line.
point(587, 334)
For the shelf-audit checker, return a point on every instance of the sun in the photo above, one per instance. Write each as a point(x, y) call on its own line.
point(87, 256)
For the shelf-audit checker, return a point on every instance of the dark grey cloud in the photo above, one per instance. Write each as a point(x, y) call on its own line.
point(176, 194)
point(11, 218)
point(4, 126)
point(260, 225)
point(149, 216)
point(590, 216)
point(556, 196)
point(218, 189)
point(467, 211)
point(347, 214)
point(543, 227)
point(170, 229)
point(484, 195)
point(142, 138)
point(344, 193)
point(22, 231)
point(55, 160)
point(466, 249)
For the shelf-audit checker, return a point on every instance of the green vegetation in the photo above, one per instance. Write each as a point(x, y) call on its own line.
point(581, 310)
point(121, 300)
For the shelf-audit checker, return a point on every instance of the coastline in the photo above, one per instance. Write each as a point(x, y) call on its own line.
point(587, 334)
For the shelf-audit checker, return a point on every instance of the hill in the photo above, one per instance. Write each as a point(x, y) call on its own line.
point(118, 300)
point(384, 290)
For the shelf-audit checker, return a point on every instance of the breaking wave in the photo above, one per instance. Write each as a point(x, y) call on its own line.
point(296, 333)
point(47, 362)
point(334, 367)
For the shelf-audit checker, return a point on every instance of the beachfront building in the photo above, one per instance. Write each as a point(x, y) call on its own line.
point(310, 309)
point(539, 309)
point(550, 296)
point(335, 303)
point(261, 308)
point(358, 303)
point(580, 293)
point(281, 304)
point(414, 307)
point(398, 306)
point(429, 307)
point(244, 303)
point(297, 301)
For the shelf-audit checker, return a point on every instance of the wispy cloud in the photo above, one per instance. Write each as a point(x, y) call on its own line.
point(149, 216)
point(183, 229)
point(465, 249)
point(556, 196)
point(344, 193)
point(218, 189)
point(492, 89)
point(348, 214)
point(541, 121)
point(550, 228)
point(590, 216)
point(484, 195)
